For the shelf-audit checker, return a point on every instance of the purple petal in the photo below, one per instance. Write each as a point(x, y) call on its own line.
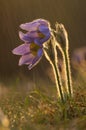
point(40, 41)
point(29, 37)
point(33, 34)
point(33, 26)
point(35, 62)
point(30, 26)
point(26, 59)
point(22, 49)
point(45, 38)
point(42, 21)
point(44, 29)
point(40, 52)
point(36, 59)
point(25, 37)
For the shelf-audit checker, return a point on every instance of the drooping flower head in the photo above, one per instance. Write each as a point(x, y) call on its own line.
point(38, 32)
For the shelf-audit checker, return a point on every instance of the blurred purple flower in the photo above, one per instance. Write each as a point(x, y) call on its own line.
point(32, 50)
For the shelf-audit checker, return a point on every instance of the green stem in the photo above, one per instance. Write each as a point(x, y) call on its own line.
point(68, 72)
point(57, 73)
point(66, 60)
point(58, 82)
point(54, 65)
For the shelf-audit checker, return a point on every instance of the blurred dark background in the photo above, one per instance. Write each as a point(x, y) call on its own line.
point(72, 13)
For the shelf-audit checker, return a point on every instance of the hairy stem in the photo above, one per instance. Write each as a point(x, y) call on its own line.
point(58, 83)
point(66, 60)
point(55, 69)
point(68, 73)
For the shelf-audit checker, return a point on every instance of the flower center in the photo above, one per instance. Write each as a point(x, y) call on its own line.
point(41, 35)
point(34, 48)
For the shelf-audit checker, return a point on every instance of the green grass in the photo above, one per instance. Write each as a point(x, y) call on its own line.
point(39, 109)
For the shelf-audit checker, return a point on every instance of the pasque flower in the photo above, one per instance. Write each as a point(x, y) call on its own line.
point(38, 32)
point(40, 39)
